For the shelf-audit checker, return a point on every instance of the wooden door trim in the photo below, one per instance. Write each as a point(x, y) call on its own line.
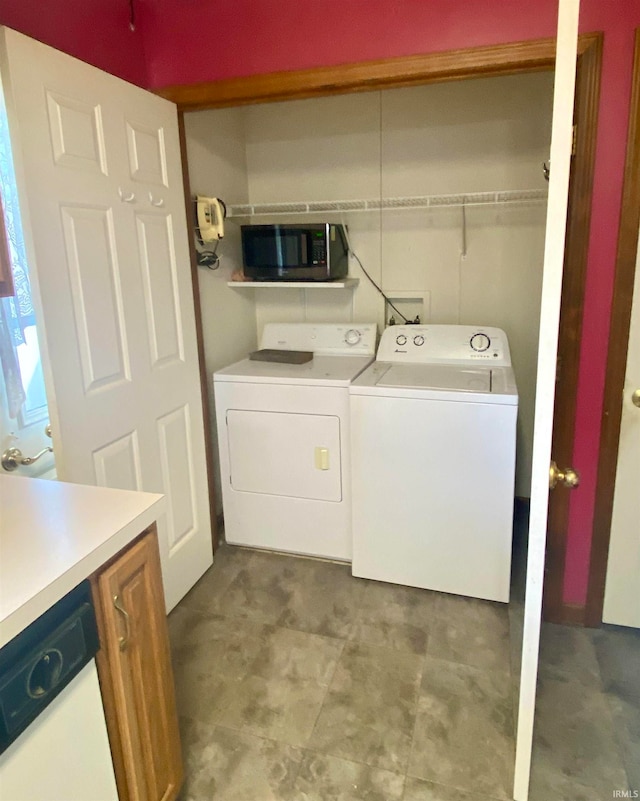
point(616, 355)
point(367, 76)
point(570, 329)
point(204, 377)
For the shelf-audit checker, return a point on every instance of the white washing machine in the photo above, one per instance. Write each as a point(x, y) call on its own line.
point(283, 439)
point(433, 441)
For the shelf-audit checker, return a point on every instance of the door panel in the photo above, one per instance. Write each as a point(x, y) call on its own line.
point(100, 185)
point(76, 132)
point(276, 453)
point(147, 154)
point(136, 677)
point(118, 463)
point(622, 590)
point(161, 287)
point(178, 475)
point(96, 296)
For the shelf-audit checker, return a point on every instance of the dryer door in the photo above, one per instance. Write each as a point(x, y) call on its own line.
point(278, 453)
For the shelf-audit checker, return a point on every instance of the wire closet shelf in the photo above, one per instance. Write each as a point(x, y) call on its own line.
point(510, 196)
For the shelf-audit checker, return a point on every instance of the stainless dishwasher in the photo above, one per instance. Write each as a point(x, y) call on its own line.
point(53, 736)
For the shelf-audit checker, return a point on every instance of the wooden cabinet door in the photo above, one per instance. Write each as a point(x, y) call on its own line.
point(136, 677)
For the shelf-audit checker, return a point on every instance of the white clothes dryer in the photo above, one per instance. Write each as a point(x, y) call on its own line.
point(283, 440)
point(433, 441)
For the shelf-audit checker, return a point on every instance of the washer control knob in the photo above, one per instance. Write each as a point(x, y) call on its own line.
point(401, 339)
point(480, 342)
point(352, 337)
point(419, 340)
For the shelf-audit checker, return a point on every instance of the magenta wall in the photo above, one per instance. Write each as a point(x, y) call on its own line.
point(618, 21)
point(246, 37)
point(95, 31)
point(187, 41)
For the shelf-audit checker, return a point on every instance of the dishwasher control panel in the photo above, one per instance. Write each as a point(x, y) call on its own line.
point(40, 661)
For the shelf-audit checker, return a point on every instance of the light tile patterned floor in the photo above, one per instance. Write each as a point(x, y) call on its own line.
point(297, 682)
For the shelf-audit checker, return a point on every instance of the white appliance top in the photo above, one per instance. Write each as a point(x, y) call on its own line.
point(341, 352)
point(443, 362)
point(328, 339)
point(437, 377)
point(444, 344)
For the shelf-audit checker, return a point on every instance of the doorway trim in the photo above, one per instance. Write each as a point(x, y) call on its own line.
point(367, 76)
point(587, 97)
point(616, 355)
point(508, 59)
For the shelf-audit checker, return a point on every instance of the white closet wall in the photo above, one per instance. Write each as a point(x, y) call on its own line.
point(472, 136)
point(320, 149)
point(217, 168)
point(460, 137)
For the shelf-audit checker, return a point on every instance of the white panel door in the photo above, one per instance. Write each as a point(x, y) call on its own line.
point(622, 590)
point(100, 185)
point(561, 142)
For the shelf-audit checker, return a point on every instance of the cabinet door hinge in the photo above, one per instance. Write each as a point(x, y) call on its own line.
point(574, 140)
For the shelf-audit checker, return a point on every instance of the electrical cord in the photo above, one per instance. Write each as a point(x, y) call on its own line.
point(206, 257)
point(395, 308)
point(350, 250)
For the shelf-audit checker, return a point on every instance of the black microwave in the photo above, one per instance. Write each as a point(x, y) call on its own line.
point(295, 252)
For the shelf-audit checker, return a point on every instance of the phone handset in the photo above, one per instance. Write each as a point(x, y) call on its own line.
point(210, 214)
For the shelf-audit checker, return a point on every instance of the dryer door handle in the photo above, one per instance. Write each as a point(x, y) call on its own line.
point(322, 458)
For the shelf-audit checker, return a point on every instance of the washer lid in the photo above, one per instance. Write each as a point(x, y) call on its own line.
point(420, 376)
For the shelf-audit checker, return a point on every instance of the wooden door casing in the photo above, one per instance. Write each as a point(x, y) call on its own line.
point(570, 331)
point(617, 354)
point(136, 679)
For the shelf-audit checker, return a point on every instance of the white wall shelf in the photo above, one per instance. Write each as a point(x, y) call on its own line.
point(387, 203)
point(345, 283)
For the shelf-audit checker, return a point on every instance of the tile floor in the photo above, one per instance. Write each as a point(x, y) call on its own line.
point(297, 682)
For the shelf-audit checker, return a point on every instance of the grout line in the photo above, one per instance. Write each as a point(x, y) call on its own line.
point(326, 693)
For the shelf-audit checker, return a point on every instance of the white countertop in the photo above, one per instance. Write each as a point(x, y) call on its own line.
point(53, 535)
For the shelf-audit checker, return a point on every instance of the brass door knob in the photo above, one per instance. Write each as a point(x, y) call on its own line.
point(635, 398)
point(569, 477)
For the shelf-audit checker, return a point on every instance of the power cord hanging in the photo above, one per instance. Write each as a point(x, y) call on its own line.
point(387, 301)
point(352, 252)
point(207, 257)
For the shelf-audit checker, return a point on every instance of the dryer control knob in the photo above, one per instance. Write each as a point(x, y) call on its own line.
point(419, 340)
point(352, 337)
point(480, 342)
point(401, 339)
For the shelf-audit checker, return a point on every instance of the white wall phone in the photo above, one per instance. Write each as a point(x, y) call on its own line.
point(210, 214)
